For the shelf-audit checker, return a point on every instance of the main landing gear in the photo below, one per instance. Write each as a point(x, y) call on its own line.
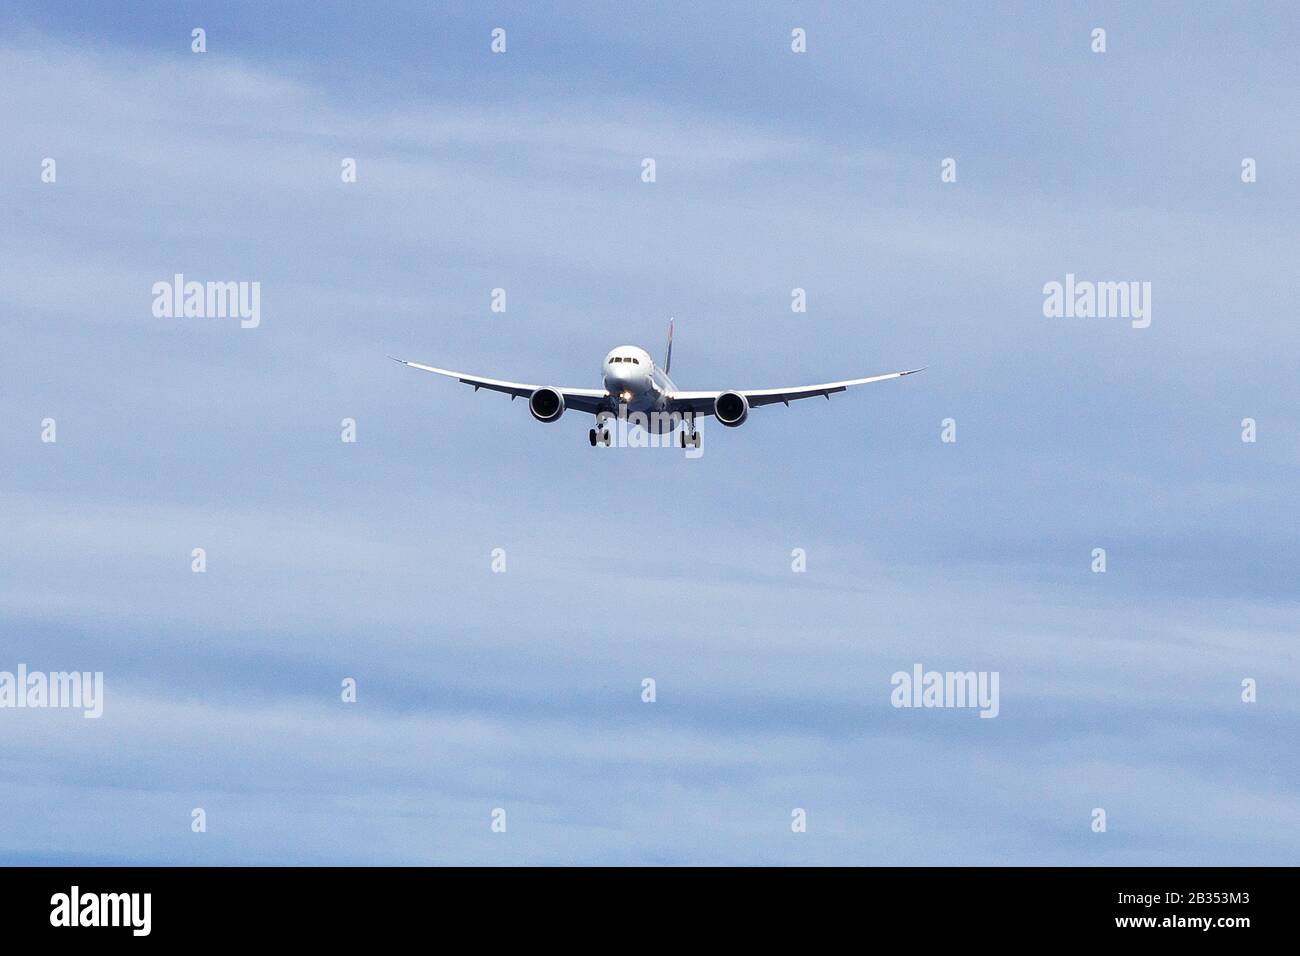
point(599, 436)
point(693, 439)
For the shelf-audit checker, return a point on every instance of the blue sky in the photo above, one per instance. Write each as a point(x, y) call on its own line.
point(522, 690)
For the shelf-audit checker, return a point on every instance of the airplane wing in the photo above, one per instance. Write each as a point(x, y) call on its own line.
point(580, 399)
point(701, 403)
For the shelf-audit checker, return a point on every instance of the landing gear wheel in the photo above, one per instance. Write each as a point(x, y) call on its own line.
point(591, 437)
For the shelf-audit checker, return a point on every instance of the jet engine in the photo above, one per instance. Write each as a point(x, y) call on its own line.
point(731, 408)
point(546, 404)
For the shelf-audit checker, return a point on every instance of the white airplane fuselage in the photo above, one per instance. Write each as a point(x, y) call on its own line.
point(631, 376)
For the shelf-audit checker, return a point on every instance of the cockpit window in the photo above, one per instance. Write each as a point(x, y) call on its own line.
point(635, 361)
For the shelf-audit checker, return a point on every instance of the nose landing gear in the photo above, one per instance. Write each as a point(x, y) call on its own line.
point(599, 436)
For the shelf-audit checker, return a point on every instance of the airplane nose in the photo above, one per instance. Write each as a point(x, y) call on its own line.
point(624, 380)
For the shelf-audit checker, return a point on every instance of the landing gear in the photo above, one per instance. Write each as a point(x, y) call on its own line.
point(693, 439)
point(599, 436)
point(591, 437)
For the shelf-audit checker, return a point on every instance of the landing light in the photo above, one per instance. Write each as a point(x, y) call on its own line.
point(625, 395)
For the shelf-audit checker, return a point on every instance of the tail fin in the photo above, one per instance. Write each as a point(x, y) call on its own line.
point(668, 359)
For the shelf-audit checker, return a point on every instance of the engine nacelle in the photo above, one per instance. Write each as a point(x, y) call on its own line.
point(731, 408)
point(546, 404)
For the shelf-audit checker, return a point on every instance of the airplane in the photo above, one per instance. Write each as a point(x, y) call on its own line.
point(634, 383)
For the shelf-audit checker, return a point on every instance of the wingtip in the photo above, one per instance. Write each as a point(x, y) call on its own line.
point(913, 371)
point(400, 361)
